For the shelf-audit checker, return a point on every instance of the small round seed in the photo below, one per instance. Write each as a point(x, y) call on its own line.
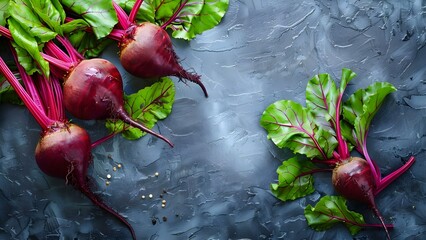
point(109, 176)
point(150, 195)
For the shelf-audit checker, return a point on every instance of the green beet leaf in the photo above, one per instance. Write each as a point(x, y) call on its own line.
point(147, 106)
point(290, 125)
point(100, 14)
point(51, 12)
point(361, 107)
point(294, 180)
point(185, 18)
point(331, 210)
point(321, 99)
point(27, 49)
point(23, 13)
point(85, 42)
point(4, 11)
point(211, 14)
point(146, 12)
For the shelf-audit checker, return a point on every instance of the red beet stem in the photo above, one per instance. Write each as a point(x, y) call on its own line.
point(135, 9)
point(82, 186)
point(127, 119)
point(394, 175)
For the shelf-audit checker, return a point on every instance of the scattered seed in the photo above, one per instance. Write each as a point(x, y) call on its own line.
point(109, 176)
point(164, 219)
point(114, 169)
point(154, 221)
point(150, 195)
point(157, 174)
point(119, 165)
point(143, 196)
point(164, 201)
point(163, 205)
point(107, 183)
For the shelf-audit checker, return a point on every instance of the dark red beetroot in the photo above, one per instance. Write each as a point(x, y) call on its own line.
point(93, 88)
point(353, 179)
point(146, 49)
point(64, 149)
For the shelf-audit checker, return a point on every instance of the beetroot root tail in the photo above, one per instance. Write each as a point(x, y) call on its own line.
point(195, 78)
point(127, 119)
point(89, 194)
point(382, 221)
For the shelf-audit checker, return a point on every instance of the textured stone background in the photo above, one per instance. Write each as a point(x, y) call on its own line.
point(216, 179)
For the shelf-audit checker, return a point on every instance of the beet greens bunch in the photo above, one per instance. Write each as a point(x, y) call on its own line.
point(325, 132)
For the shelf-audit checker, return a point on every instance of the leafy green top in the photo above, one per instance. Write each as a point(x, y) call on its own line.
point(148, 105)
point(319, 133)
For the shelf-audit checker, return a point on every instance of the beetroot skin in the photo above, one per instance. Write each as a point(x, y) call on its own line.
point(64, 151)
point(353, 179)
point(146, 51)
point(94, 90)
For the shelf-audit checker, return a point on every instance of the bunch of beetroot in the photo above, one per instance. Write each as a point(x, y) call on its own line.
point(49, 41)
point(325, 132)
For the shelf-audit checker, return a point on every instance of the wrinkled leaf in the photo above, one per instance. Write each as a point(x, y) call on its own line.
point(22, 12)
point(321, 99)
point(147, 106)
point(100, 14)
point(347, 76)
point(85, 42)
point(291, 183)
point(361, 107)
point(27, 49)
point(290, 125)
point(331, 210)
point(146, 12)
point(211, 14)
point(188, 17)
point(49, 13)
point(4, 11)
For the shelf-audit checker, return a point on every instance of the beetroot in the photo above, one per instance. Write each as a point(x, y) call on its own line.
point(93, 88)
point(64, 149)
point(146, 49)
point(353, 179)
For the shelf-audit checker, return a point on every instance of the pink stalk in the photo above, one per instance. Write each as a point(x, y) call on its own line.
point(123, 19)
point(175, 14)
point(103, 139)
point(65, 66)
point(374, 168)
point(342, 145)
point(135, 9)
point(53, 50)
point(72, 52)
point(38, 113)
point(394, 175)
point(5, 32)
